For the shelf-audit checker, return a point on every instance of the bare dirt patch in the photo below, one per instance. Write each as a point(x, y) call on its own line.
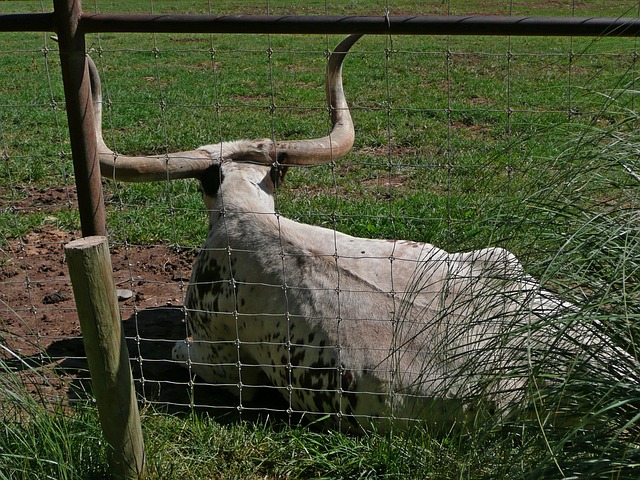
point(36, 296)
point(40, 336)
point(32, 199)
point(470, 129)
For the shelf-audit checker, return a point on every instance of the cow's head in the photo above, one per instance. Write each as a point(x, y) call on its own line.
point(263, 160)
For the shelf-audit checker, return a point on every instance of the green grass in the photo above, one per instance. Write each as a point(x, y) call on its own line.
point(36, 442)
point(458, 142)
point(52, 441)
point(39, 439)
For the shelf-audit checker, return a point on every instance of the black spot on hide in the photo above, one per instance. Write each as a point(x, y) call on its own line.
point(216, 305)
point(321, 401)
point(348, 385)
point(297, 356)
point(211, 180)
point(207, 280)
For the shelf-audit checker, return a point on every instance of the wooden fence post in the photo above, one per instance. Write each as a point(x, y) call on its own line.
point(104, 342)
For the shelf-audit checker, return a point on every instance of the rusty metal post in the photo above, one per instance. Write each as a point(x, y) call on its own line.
point(80, 117)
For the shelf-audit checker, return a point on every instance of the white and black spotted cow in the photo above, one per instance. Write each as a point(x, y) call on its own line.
point(357, 328)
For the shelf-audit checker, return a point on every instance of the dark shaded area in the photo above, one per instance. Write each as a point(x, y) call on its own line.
point(159, 380)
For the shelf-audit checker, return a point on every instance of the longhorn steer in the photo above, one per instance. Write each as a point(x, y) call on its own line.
point(354, 327)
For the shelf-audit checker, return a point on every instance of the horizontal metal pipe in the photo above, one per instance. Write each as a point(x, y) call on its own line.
point(397, 25)
point(27, 22)
point(376, 25)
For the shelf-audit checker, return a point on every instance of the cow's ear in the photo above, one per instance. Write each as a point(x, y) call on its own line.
point(211, 180)
point(277, 174)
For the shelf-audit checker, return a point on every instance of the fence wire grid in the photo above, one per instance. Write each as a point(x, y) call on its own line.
point(459, 141)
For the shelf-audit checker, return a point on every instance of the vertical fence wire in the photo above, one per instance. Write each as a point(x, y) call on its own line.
point(387, 173)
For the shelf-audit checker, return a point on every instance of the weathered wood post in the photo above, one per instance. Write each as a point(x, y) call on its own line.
point(104, 342)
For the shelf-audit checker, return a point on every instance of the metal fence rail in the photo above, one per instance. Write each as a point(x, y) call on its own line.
point(317, 24)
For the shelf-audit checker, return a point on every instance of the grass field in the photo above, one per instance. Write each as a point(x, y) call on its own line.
point(525, 143)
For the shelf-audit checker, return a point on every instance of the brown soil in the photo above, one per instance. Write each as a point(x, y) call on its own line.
point(39, 325)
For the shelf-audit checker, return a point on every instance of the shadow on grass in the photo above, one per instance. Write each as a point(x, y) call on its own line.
point(160, 381)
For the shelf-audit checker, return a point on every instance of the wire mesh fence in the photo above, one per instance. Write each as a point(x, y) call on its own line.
point(461, 142)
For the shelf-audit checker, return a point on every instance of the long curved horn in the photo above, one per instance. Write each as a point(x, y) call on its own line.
point(140, 169)
point(340, 140)
point(192, 164)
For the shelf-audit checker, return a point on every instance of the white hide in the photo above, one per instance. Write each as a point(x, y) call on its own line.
point(358, 328)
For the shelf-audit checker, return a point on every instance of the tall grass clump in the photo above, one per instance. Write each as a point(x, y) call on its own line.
point(40, 440)
point(581, 416)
